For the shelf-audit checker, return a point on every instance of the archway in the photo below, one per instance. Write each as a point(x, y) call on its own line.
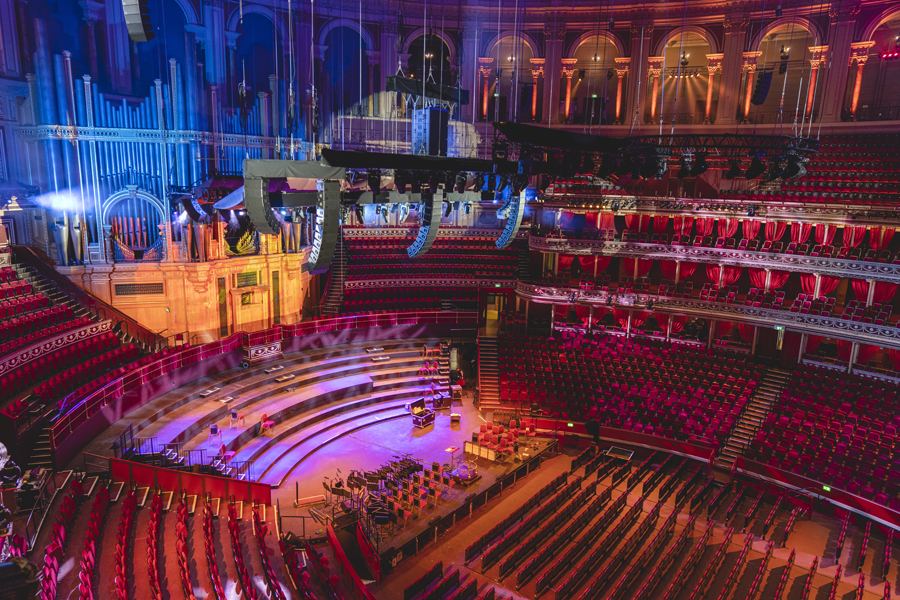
point(429, 55)
point(880, 84)
point(510, 95)
point(784, 50)
point(346, 77)
point(594, 81)
point(134, 216)
point(685, 79)
point(259, 53)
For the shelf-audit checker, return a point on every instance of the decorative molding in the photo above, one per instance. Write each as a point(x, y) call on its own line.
point(410, 232)
point(834, 267)
point(437, 281)
point(859, 51)
point(46, 346)
point(853, 331)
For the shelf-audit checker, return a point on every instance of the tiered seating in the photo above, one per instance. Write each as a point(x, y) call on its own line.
point(836, 428)
point(714, 293)
point(320, 568)
point(89, 371)
point(675, 393)
point(428, 298)
point(20, 305)
point(181, 550)
point(500, 440)
point(379, 266)
point(18, 327)
point(209, 547)
point(856, 310)
point(89, 554)
point(806, 304)
point(260, 529)
point(762, 299)
point(55, 551)
point(234, 532)
point(299, 575)
point(153, 529)
point(123, 539)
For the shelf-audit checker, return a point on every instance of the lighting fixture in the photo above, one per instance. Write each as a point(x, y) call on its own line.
point(701, 166)
point(775, 170)
point(360, 215)
point(429, 55)
point(479, 182)
point(684, 59)
point(751, 211)
point(511, 58)
point(461, 181)
point(596, 58)
point(756, 168)
point(795, 167)
point(636, 167)
point(401, 179)
point(384, 212)
point(404, 211)
point(785, 53)
point(373, 179)
point(685, 169)
point(467, 207)
point(735, 170)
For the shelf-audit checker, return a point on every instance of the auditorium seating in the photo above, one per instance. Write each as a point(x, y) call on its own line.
point(418, 298)
point(836, 428)
point(87, 572)
point(680, 392)
point(59, 548)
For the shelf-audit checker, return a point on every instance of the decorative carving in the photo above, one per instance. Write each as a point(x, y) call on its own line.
point(50, 345)
point(859, 51)
point(715, 62)
point(736, 24)
point(413, 282)
point(641, 29)
point(622, 65)
point(818, 56)
point(554, 33)
point(568, 67)
point(843, 12)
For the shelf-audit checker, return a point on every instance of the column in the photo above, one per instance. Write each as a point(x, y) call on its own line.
point(264, 118)
point(484, 70)
point(374, 58)
point(860, 53)
point(818, 286)
point(817, 60)
point(750, 62)
point(468, 73)
point(9, 39)
point(553, 36)
point(655, 70)
point(537, 71)
point(568, 70)
point(840, 37)
point(713, 67)
point(214, 19)
point(640, 55)
point(118, 51)
point(854, 352)
point(621, 73)
point(733, 58)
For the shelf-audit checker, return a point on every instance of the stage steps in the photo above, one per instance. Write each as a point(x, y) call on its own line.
point(764, 397)
point(334, 299)
point(488, 374)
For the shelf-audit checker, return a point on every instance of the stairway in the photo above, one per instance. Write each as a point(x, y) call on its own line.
point(767, 392)
point(334, 299)
point(41, 455)
point(524, 271)
point(488, 374)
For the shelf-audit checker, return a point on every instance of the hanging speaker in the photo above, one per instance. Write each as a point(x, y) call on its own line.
point(511, 228)
point(328, 223)
point(256, 201)
point(137, 19)
point(430, 209)
point(761, 91)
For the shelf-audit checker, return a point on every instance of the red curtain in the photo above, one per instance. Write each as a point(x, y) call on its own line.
point(660, 222)
point(606, 221)
point(668, 268)
point(731, 275)
point(728, 227)
point(751, 229)
point(757, 277)
point(825, 233)
point(853, 236)
point(879, 237)
point(637, 222)
point(687, 270)
point(808, 283)
point(591, 219)
point(895, 358)
point(565, 219)
point(621, 316)
point(723, 328)
point(644, 265)
point(860, 288)
point(583, 314)
point(884, 291)
point(812, 343)
point(800, 232)
point(683, 224)
point(587, 263)
point(866, 352)
point(778, 279)
point(843, 347)
point(638, 318)
point(678, 322)
point(775, 230)
point(828, 285)
point(790, 348)
point(705, 226)
point(565, 261)
point(746, 332)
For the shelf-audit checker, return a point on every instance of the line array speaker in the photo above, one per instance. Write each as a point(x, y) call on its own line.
point(256, 201)
point(432, 208)
point(328, 216)
point(137, 20)
point(514, 221)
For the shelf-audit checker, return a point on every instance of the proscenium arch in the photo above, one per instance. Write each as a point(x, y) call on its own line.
point(888, 14)
point(235, 19)
point(525, 38)
point(410, 39)
point(128, 194)
point(609, 36)
point(703, 32)
point(349, 24)
point(797, 21)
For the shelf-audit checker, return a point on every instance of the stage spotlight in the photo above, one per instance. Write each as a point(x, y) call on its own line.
point(685, 169)
point(637, 165)
point(415, 184)
point(735, 170)
point(655, 167)
point(435, 181)
point(795, 167)
point(467, 207)
point(519, 183)
point(384, 212)
point(479, 182)
point(756, 168)
point(701, 166)
point(461, 180)
point(775, 170)
point(751, 211)
point(450, 181)
point(615, 206)
point(401, 180)
point(448, 208)
point(404, 212)
point(360, 215)
point(502, 183)
point(373, 179)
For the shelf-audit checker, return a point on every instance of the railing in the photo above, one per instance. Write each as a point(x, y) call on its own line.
point(878, 113)
point(76, 411)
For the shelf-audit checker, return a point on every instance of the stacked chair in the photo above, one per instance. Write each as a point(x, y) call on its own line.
point(123, 541)
point(89, 554)
point(56, 549)
point(153, 546)
point(210, 548)
point(234, 531)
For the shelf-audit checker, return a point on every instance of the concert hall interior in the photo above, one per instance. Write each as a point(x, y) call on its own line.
point(449, 300)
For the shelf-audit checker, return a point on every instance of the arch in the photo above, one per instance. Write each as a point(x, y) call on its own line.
point(349, 24)
point(411, 37)
point(589, 35)
point(526, 38)
point(703, 32)
point(235, 18)
point(128, 194)
point(802, 22)
point(888, 14)
point(190, 15)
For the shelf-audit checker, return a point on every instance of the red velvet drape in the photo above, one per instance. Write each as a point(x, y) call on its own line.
point(812, 343)
point(825, 233)
point(860, 288)
point(800, 232)
point(751, 228)
point(621, 316)
point(683, 224)
point(790, 348)
point(853, 236)
point(643, 266)
point(660, 222)
point(728, 227)
point(884, 292)
point(723, 328)
point(865, 354)
point(587, 263)
point(731, 275)
point(894, 355)
point(880, 237)
point(668, 268)
point(591, 219)
point(565, 261)
point(775, 230)
point(778, 279)
point(606, 220)
point(746, 332)
point(757, 277)
point(678, 321)
point(637, 222)
point(828, 285)
point(637, 317)
point(565, 219)
point(583, 313)
point(705, 226)
point(687, 270)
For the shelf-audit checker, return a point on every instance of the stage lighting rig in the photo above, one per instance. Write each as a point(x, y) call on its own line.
point(775, 170)
point(479, 182)
point(373, 180)
point(795, 167)
point(735, 170)
point(461, 181)
point(401, 180)
point(404, 211)
point(757, 167)
point(467, 207)
point(700, 165)
point(360, 215)
point(448, 208)
point(685, 169)
point(384, 213)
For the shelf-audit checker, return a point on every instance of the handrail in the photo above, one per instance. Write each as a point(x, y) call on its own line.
point(96, 306)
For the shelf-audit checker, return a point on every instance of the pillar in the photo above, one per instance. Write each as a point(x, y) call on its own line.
point(468, 72)
point(818, 288)
point(713, 67)
point(870, 296)
point(817, 60)
point(537, 71)
point(803, 339)
point(554, 36)
point(860, 53)
point(552, 318)
point(373, 58)
point(732, 59)
point(568, 70)
point(640, 56)
point(9, 39)
point(215, 43)
point(655, 71)
point(484, 70)
point(621, 73)
point(750, 62)
point(768, 281)
point(854, 352)
point(840, 37)
point(118, 50)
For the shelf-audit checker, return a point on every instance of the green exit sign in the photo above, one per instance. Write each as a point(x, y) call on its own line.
point(827, 488)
